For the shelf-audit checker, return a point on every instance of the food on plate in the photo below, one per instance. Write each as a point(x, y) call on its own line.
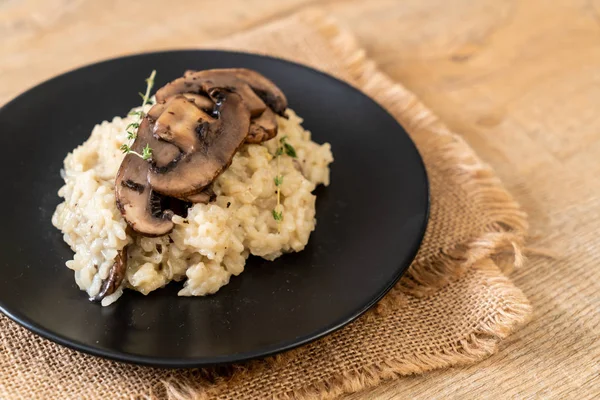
point(186, 187)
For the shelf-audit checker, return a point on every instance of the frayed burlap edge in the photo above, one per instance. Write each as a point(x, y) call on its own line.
point(479, 344)
point(501, 240)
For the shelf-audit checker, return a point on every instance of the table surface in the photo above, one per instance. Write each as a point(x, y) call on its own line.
point(519, 79)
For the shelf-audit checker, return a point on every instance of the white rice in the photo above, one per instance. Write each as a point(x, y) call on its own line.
point(215, 239)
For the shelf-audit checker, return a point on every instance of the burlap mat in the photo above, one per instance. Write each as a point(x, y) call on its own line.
point(453, 306)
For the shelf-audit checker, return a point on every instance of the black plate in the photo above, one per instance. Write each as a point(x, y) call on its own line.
point(371, 220)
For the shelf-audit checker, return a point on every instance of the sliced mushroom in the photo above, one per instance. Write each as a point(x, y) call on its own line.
point(157, 109)
point(262, 128)
point(256, 90)
point(264, 88)
point(214, 146)
point(194, 130)
point(203, 102)
point(115, 276)
point(181, 123)
point(136, 200)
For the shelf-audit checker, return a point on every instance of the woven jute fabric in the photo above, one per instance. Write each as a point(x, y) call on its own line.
point(453, 306)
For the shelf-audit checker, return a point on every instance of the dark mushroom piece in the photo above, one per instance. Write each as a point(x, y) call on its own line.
point(211, 149)
point(115, 276)
point(203, 81)
point(136, 200)
point(262, 128)
point(256, 90)
point(194, 130)
point(269, 93)
point(167, 121)
point(262, 96)
point(202, 102)
point(179, 122)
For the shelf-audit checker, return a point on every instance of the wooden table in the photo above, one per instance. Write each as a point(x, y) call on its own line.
point(519, 79)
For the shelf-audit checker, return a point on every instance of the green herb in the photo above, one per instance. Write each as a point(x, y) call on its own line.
point(283, 147)
point(278, 216)
point(147, 152)
point(289, 150)
point(134, 126)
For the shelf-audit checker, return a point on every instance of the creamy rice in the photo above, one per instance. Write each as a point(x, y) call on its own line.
point(215, 239)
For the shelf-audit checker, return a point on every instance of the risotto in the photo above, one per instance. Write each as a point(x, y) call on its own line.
point(214, 240)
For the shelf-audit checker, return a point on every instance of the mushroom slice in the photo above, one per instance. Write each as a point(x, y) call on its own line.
point(202, 102)
point(204, 81)
point(257, 91)
point(181, 123)
point(264, 88)
point(157, 109)
point(138, 204)
point(216, 144)
point(115, 276)
point(262, 128)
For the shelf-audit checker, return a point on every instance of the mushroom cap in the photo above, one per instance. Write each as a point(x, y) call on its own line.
point(134, 196)
point(256, 90)
point(214, 146)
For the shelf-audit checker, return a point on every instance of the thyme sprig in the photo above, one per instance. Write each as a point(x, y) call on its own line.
point(283, 147)
point(134, 126)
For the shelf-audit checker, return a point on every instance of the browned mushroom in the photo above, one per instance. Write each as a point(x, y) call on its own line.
point(198, 124)
point(136, 200)
point(256, 90)
point(203, 102)
point(262, 128)
point(115, 276)
point(264, 88)
point(194, 130)
point(214, 146)
point(179, 122)
point(262, 97)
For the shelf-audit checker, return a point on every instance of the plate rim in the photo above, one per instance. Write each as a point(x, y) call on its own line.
point(263, 352)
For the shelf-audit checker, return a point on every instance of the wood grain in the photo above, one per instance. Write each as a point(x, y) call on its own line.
point(518, 79)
